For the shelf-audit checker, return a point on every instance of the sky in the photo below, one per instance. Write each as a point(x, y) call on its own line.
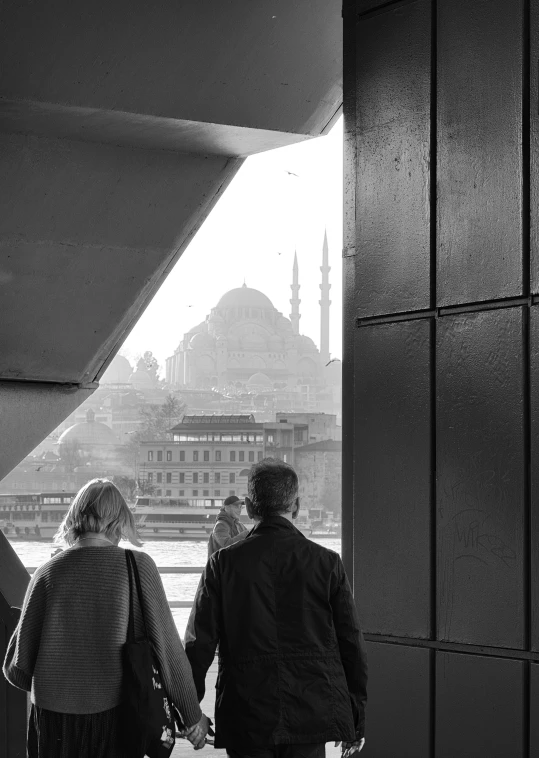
point(251, 234)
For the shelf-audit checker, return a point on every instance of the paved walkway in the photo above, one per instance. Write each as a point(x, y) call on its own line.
point(184, 749)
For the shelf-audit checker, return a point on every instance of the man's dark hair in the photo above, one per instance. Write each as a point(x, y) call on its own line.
point(272, 487)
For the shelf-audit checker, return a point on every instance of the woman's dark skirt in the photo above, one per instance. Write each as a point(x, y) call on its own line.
point(67, 735)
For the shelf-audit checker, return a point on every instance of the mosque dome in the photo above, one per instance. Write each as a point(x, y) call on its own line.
point(118, 372)
point(202, 341)
point(260, 380)
point(245, 297)
point(141, 380)
point(307, 344)
point(89, 432)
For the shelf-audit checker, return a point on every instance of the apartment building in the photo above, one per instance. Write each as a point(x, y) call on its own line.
point(208, 456)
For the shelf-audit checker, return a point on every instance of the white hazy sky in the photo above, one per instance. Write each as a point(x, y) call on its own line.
point(251, 234)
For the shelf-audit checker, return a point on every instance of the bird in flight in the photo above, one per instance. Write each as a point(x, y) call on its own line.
point(332, 361)
point(292, 173)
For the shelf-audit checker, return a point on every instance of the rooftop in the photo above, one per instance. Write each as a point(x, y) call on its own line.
point(326, 446)
point(217, 420)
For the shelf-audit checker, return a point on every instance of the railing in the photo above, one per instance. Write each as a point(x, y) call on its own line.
point(164, 570)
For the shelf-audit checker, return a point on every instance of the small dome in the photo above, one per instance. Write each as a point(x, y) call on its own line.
point(202, 341)
point(89, 432)
point(141, 379)
point(307, 344)
point(245, 297)
point(260, 380)
point(118, 372)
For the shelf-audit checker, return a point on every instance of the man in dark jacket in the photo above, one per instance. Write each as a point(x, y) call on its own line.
point(228, 528)
point(292, 663)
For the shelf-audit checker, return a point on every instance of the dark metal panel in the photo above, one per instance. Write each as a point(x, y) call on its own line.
point(481, 479)
point(534, 147)
point(348, 395)
point(393, 62)
point(398, 713)
point(479, 71)
point(534, 463)
point(392, 478)
point(479, 707)
point(534, 710)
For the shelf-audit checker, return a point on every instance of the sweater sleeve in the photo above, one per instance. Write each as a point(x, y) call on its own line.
point(23, 646)
point(175, 668)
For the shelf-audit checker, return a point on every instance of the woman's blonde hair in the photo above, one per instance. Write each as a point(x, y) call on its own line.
point(98, 507)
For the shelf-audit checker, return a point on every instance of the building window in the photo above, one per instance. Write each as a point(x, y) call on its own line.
point(269, 438)
point(150, 478)
point(168, 493)
point(182, 455)
point(169, 478)
point(217, 455)
point(195, 478)
point(259, 455)
point(158, 492)
point(159, 478)
point(217, 478)
point(251, 456)
point(206, 455)
point(231, 492)
point(232, 478)
point(217, 493)
point(182, 478)
point(150, 455)
point(195, 455)
point(181, 492)
point(169, 455)
point(195, 493)
point(159, 455)
point(232, 455)
point(205, 492)
point(241, 455)
point(206, 478)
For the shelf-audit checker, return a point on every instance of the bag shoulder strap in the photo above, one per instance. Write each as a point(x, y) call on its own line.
point(131, 620)
point(133, 571)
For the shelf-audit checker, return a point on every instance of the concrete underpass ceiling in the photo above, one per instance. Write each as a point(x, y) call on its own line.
point(120, 125)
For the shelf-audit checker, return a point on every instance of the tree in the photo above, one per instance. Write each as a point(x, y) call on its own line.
point(127, 486)
point(157, 420)
point(150, 364)
point(71, 455)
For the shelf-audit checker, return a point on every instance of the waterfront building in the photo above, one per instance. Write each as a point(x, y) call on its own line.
point(319, 469)
point(208, 457)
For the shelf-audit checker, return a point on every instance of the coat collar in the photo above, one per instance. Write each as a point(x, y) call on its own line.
point(275, 524)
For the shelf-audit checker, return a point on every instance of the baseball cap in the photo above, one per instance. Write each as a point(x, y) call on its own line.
point(231, 500)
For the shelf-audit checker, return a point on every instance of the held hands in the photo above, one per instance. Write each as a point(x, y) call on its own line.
point(197, 734)
point(349, 748)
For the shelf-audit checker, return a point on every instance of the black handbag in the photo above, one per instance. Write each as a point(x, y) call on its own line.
point(147, 711)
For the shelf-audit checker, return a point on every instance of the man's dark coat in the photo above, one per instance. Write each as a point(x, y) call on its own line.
point(292, 662)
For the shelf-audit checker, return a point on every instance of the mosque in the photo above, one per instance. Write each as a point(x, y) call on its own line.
point(246, 343)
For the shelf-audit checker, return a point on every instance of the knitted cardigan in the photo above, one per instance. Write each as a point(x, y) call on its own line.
point(67, 647)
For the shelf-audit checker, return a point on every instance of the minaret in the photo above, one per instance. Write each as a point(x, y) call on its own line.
point(295, 301)
point(325, 302)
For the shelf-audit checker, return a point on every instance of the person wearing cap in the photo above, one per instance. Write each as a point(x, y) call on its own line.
point(228, 528)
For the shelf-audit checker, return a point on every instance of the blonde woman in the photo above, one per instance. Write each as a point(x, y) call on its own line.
point(67, 647)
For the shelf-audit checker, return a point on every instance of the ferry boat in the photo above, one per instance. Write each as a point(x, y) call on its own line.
point(37, 516)
point(169, 518)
